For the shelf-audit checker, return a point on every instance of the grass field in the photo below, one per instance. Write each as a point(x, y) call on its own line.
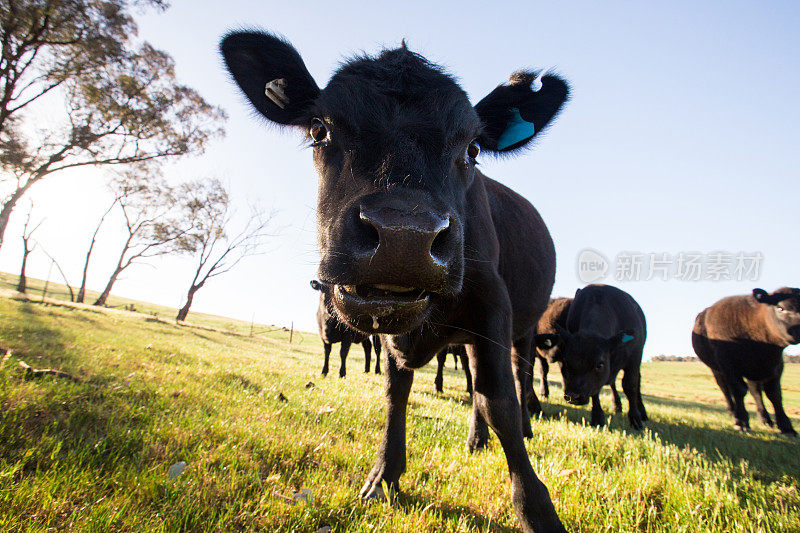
point(241, 413)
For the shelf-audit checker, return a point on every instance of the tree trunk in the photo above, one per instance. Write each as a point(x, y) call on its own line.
point(22, 286)
point(82, 290)
point(101, 300)
point(184, 311)
point(8, 207)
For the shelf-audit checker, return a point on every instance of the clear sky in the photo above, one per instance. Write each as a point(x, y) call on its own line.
point(681, 136)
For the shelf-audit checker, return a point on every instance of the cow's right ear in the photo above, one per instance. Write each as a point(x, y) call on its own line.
point(546, 341)
point(271, 73)
point(316, 285)
point(513, 114)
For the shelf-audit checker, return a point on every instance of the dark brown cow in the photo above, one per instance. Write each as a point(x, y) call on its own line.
point(331, 331)
point(556, 313)
point(741, 339)
point(459, 353)
point(605, 332)
point(415, 242)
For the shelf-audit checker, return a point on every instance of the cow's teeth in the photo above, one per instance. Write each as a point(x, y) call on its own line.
point(393, 288)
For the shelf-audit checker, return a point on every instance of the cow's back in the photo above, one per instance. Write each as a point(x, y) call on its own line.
point(527, 257)
point(556, 313)
point(605, 310)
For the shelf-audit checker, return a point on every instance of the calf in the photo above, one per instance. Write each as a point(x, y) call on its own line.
point(604, 333)
point(331, 331)
point(415, 243)
point(548, 353)
point(741, 339)
point(459, 352)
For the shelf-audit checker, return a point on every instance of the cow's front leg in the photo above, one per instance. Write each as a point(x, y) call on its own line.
point(615, 395)
point(544, 368)
point(772, 389)
point(495, 400)
point(598, 415)
point(343, 351)
point(326, 346)
point(367, 345)
point(438, 381)
point(391, 462)
point(376, 343)
point(630, 384)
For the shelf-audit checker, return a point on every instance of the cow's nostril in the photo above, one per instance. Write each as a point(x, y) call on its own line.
point(368, 235)
point(440, 241)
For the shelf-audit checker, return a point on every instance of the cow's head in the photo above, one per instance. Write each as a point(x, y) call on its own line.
point(395, 142)
point(585, 360)
point(784, 308)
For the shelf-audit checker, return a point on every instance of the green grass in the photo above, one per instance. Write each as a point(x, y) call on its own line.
point(95, 455)
point(59, 292)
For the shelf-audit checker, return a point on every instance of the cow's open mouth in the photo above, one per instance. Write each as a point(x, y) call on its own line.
point(381, 308)
point(384, 292)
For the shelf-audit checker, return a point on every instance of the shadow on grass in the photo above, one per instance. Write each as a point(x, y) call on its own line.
point(451, 513)
point(770, 455)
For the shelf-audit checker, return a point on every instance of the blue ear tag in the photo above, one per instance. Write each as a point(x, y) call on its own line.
point(626, 338)
point(517, 130)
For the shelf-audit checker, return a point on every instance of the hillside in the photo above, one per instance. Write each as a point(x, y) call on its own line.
point(256, 424)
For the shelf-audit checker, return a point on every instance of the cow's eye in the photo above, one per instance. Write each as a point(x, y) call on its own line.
point(473, 150)
point(600, 365)
point(318, 131)
point(781, 309)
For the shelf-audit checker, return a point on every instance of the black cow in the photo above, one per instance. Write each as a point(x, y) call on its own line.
point(415, 242)
point(741, 339)
point(459, 353)
point(331, 331)
point(605, 332)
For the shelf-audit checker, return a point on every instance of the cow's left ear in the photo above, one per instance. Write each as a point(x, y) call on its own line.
point(624, 336)
point(513, 114)
point(762, 296)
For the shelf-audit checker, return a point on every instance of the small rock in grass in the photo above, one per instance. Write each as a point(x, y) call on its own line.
point(325, 409)
point(282, 398)
point(324, 529)
point(304, 495)
point(176, 469)
point(310, 385)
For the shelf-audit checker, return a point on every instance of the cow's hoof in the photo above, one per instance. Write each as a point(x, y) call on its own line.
point(527, 431)
point(476, 445)
point(636, 423)
point(744, 428)
point(597, 421)
point(377, 490)
point(767, 421)
point(789, 432)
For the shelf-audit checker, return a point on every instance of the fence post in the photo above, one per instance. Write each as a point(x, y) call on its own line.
point(291, 333)
point(47, 281)
point(252, 320)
